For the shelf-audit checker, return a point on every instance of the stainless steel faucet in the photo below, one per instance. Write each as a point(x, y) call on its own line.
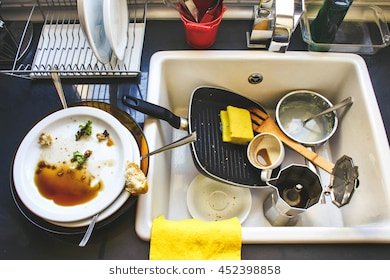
point(274, 23)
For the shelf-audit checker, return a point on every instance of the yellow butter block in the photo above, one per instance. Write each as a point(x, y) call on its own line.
point(225, 126)
point(240, 124)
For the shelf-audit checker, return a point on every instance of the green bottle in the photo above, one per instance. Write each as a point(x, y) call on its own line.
point(324, 27)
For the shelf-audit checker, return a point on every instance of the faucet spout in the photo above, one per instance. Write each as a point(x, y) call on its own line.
point(284, 24)
point(274, 23)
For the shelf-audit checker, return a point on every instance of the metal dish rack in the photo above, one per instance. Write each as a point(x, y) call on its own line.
point(63, 47)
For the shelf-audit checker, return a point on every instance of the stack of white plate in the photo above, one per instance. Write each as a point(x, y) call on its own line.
point(107, 164)
point(105, 24)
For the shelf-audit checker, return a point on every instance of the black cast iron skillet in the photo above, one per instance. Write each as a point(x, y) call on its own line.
point(214, 158)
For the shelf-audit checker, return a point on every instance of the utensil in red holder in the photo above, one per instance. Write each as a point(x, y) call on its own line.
point(188, 9)
point(212, 12)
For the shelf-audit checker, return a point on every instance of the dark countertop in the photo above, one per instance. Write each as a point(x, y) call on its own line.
point(25, 102)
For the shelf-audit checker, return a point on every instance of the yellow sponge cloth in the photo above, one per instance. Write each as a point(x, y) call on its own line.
point(192, 239)
point(236, 125)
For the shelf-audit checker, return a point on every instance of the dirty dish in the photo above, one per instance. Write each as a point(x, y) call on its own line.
point(116, 21)
point(106, 164)
point(297, 106)
point(90, 13)
point(121, 204)
point(210, 200)
point(266, 152)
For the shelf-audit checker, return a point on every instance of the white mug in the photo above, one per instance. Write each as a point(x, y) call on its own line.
point(265, 152)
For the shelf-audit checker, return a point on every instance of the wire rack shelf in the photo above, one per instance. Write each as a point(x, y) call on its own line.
point(63, 46)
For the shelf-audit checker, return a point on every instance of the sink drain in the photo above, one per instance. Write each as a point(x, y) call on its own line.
point(255, 78)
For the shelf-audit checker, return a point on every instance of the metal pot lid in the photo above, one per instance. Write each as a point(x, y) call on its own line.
point(344, 181)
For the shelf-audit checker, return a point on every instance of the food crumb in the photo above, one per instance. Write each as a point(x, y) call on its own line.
point(45, 139)
point(101, 136)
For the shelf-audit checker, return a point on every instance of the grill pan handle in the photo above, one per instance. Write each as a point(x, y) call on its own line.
point(155, 111)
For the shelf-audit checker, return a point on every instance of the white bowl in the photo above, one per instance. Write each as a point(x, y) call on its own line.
point(210, 200)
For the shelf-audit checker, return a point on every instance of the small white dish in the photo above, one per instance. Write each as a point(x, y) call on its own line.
point(210, 200)
point(107, 163)
point(116, 24)
point(90, 13)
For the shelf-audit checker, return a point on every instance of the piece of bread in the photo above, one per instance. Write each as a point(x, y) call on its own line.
point(45, 139)
point(136, 182)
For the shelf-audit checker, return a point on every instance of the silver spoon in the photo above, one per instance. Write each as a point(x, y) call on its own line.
point(57, 83)
point(345, 102)
point(89, 230)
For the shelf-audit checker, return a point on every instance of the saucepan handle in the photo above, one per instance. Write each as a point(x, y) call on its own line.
point(155, 111)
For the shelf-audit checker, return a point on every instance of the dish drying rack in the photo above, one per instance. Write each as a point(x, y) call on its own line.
point(63, 47)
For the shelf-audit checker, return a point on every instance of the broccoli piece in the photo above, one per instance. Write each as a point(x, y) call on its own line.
point(85, 130)
point(80, 158)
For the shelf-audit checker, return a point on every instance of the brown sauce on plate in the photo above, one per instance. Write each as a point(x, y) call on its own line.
point(64, 184)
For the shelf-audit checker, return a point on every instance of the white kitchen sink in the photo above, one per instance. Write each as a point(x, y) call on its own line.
point(174, 75)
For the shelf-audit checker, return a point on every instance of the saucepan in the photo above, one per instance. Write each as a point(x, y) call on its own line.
point(225, 162)
point(295, 107)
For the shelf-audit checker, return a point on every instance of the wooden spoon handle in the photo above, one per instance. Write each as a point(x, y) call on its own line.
point(315, 158)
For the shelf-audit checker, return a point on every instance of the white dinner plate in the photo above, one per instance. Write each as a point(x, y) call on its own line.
point(121, 199)
point(90, 14)
point(116, 21)
point(210, 200)
point(107, 163)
